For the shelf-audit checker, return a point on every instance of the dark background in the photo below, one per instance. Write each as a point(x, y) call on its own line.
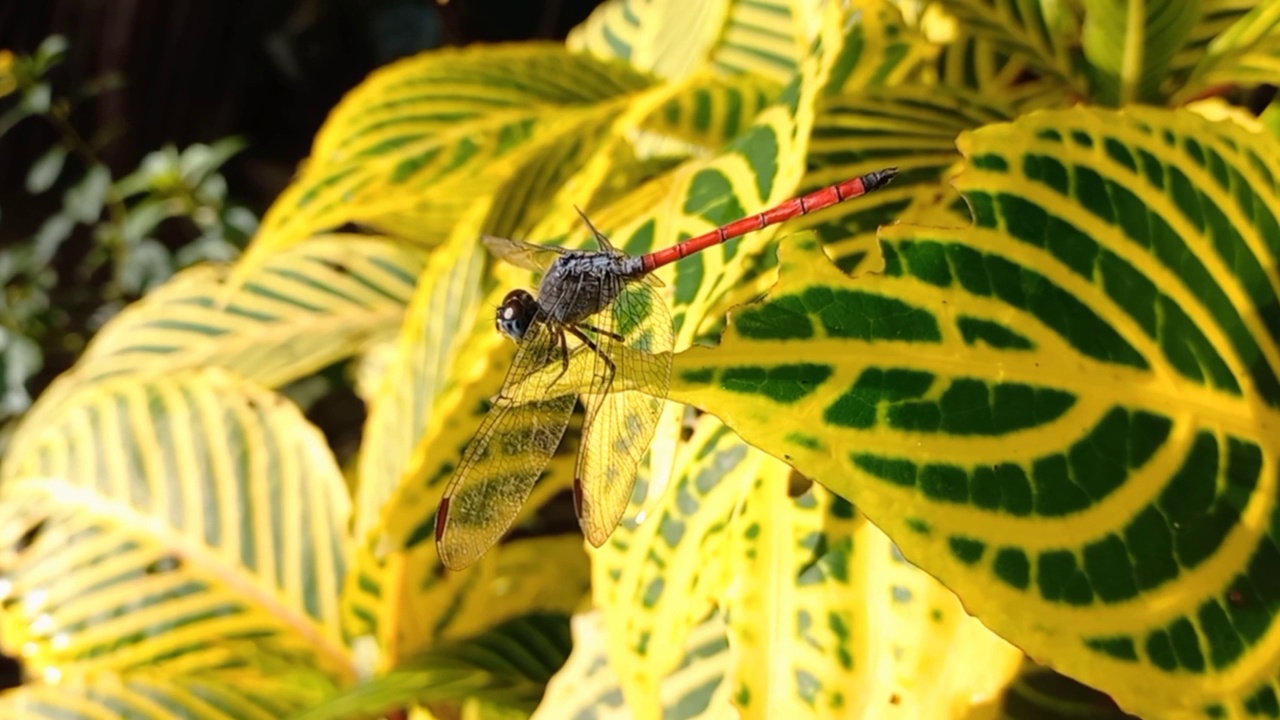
point(199, 70)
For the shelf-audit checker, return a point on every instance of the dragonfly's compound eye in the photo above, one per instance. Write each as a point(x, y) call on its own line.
point(515, 313)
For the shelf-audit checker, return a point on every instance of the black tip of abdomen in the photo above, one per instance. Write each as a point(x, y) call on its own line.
point(879, 178)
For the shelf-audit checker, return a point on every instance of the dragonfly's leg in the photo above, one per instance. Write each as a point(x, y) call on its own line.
point(608, 361)
point(598, 331)
point(563, 344)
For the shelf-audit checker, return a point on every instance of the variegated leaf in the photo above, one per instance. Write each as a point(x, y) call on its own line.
point(588, 688)
point(411, 149)
point(1044, 34)
point(303, 310)
point(1245, 53)
point(825, 618)
point(246, 693)
point(767, 38)
point(1068, 412)
point(189, 521)
point(1130, 45)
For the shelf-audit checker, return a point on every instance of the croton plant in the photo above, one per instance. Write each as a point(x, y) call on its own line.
point(1017, 411)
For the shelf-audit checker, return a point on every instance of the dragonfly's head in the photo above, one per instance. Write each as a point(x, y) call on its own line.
point(515, 313)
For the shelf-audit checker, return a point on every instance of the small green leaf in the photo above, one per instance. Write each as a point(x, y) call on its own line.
point(83, 201)
point(147, 265)
point(52, 233)
point(37, 100)
point(45, 171)
point(210, 247)
point(50, 51)
point(157, 171)
point(1271, 118)
point(143, 218)
point(198, 160)
point(20, 358)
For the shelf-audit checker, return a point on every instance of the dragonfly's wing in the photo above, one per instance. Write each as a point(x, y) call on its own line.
point(521, 253)
point(505, 458)
point(601, 238)
point(636, 332)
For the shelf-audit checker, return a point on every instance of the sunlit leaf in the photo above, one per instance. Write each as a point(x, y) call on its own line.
point(444, 309)
point(305, 309)
point(587, 687)
point(250, 693)
point(187, 521)
point(402, 150)
point(825, 617)
point(1065, 412)
point(672, 39)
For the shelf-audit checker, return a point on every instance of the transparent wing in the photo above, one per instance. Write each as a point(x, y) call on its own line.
point(636, 333)
point(506, 456)
point(521, 253)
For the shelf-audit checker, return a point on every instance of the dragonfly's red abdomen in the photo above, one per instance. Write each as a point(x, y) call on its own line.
point(793, 208)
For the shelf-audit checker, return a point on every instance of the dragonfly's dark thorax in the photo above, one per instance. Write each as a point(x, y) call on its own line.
point(579, 285)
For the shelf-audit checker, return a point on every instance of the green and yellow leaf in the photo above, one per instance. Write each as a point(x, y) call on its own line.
point(190, 521)
point(588, 688)
point(443, 311)
point(1246, 53)
point(415, 145)
point(979, 64)
point(825, 618)
point(1215, 17)
point(508, 666)
point(303, 310)
point(1068, 412)
point(672, 38)
point(1043, 34)
point(1130, 45)
point(248, 693)
point(879, 49)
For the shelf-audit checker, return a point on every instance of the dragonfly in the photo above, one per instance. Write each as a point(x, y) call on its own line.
point(599, 311)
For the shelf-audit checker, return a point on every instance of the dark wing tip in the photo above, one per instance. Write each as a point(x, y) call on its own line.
point(442, 517)
point(577, 497)
point(879, 178)
point(447, 556)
